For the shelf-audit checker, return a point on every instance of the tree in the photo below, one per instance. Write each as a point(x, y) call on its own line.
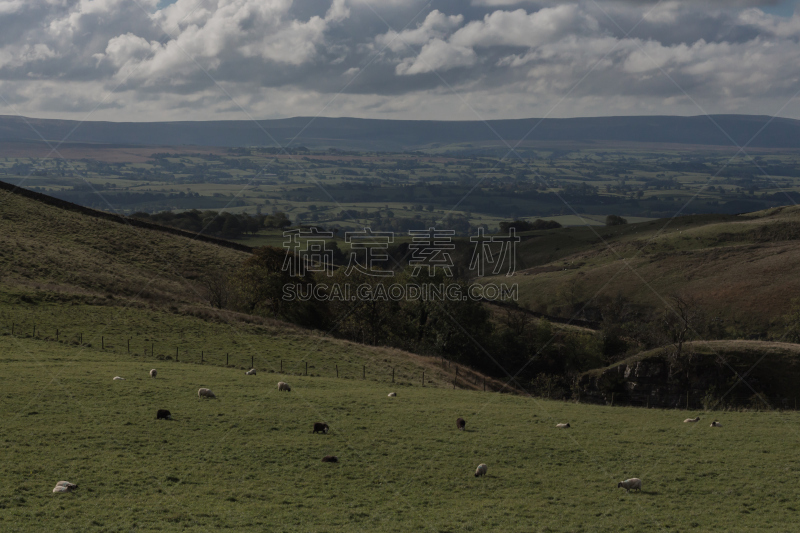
point(680, 320)
point(791, 321)
point(260, 285)
point(615, 220)
point(217, 288)
point(277, 220)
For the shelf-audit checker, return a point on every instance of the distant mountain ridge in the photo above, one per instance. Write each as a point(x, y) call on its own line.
point(756, 131)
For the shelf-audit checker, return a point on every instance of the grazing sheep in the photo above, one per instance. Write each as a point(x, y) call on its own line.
point(392, 394)
point(715, 424)
point(461, 424)
point(633, 483)
point(65, 486)
point(320, 427)
point(163, 414)
point(481, 470)
point(692, 420)
point(117, 377)
point(205, 393)
point(153, 373)
point(284, 386)
point(330, 459)
point(251, 372)
point(563, 426)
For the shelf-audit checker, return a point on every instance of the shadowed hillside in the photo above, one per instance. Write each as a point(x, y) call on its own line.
point(705, 376)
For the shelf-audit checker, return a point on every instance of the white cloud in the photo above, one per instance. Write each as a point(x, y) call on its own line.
point(518, 28)
point(438, 55)
point(435, 26)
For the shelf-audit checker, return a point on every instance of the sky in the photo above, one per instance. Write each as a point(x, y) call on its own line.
point(154, 60)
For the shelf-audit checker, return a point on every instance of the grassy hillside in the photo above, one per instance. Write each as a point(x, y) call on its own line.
point(248, 461)
point(78, 279)
point(43, 247)
point(741, 268)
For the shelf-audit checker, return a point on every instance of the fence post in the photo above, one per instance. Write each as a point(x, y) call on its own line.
point(202, 356)
point(152, 349)
point(56, 334)
point(129, 346)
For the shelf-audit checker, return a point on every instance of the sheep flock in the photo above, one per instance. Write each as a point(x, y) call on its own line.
point(322, 427)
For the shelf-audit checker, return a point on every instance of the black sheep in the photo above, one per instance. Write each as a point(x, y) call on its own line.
point(320, 427)
point(461, 424)
point(330, 459)
point(163, 414)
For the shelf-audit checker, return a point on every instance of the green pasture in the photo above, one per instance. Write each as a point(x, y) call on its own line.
point(127, 333)
point(248, 461)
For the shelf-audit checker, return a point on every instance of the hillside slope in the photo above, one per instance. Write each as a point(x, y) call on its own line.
point(78, 280)
point(44, 246)
point(742, 268)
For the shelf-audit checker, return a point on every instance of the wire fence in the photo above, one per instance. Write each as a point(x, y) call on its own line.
point(441, 370)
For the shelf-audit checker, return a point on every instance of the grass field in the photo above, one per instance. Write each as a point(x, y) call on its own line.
point(249, 462)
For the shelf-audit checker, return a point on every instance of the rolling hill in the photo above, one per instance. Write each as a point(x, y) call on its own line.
point(741, 268)
point(85, 278)
point(398, 135)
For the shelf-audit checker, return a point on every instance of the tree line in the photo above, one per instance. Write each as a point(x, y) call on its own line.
point(217, 223)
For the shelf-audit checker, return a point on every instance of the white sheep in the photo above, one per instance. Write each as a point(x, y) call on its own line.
point(284, 386)
point(153, 373)
point(392, 394)
point(117, 377)
point(65, 486)
point(633, 483)
point(205, 393)
point(715, 424)
point(563, 426)
point(481, 470)
point(692, 420)
point(251, 372)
